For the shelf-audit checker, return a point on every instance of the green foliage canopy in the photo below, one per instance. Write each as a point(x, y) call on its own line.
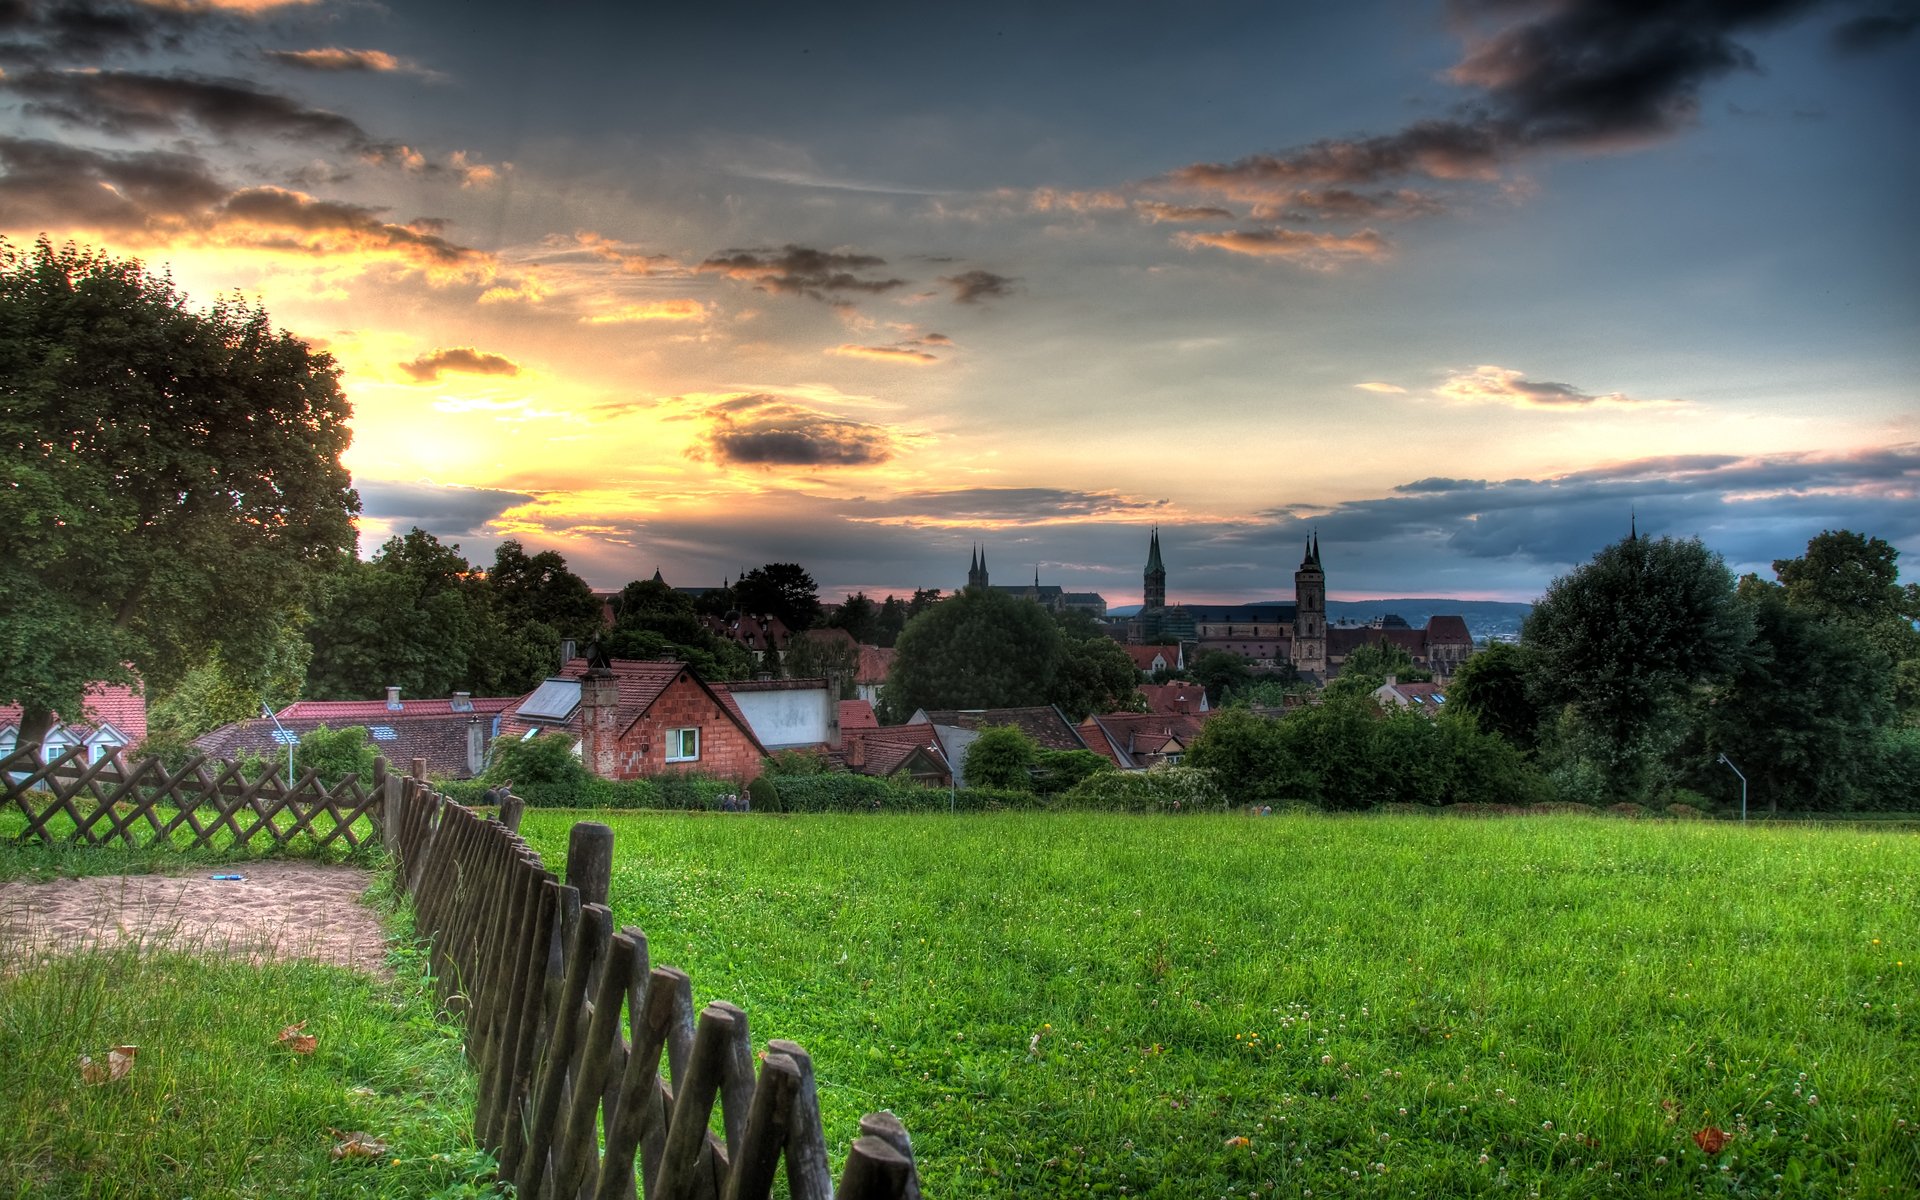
point(977, 649)
point(160, 465)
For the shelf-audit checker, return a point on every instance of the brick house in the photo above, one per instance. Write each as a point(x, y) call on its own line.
point(636, 719)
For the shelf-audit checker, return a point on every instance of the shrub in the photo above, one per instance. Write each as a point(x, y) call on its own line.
point(764, 796)
point(1687, 812)
point(1055, 771)
point(1162, 788)
point(1002, 757)
point(544, 761)
point(796, 762)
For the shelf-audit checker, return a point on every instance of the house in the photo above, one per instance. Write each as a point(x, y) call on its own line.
point(633, 719)
point(453, 744)
point(871, 676)
point(787, 714)
point(1136, 741)
point(338, 713)
point(757, 634)
point(1149, 659)
point(956, 730)
point(113, 717)
point(1440, 647)
point(1176, 697)
point(1424, 697)
point(857, 714)
point(910, 752)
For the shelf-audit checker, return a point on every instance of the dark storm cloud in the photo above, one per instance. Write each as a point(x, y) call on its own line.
point(48, 184)
point(437, 509)
point(999, 505)
point(134, 102)
point(327, 226)
point(761, 430)
point(971, 287)
point(464, 359)
point(802, 271)
point(1550, 74)
point(1876, 31)
point(91, 30)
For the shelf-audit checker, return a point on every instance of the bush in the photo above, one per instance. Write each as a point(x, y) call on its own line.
point(763, 795)
point(1056, 771)
point(1162, 788)
point(535, 763)
point(796, 762)
point(1002, 757)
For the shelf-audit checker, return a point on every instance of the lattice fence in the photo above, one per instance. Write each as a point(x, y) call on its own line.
point(203, 804)
point(571, 1095)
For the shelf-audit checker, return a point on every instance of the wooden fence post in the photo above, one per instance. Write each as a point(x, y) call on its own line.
point(590, 861)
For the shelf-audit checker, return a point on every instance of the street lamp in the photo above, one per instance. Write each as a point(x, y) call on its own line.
point(285, 739)
point(1743, 786)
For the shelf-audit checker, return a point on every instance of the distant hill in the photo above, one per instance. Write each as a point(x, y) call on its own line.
point(1498, 619)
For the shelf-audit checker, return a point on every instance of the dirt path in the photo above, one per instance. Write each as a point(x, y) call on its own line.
point(280, 910)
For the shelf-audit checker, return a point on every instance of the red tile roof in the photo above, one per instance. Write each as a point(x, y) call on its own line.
point(1448, 629)
point(857, 714)
point(640, 682)
point(1139, 738)
point(886, 749)
point(359, 711)
point(1045, 724)
point(440, 739)
point(875, 662)
point(1174, 697)
point(113, 704)
point(1143, 656)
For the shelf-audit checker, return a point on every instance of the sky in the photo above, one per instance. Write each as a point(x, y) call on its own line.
point(1462, 287)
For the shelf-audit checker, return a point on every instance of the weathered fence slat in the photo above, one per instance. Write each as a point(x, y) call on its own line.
point(575, 1101)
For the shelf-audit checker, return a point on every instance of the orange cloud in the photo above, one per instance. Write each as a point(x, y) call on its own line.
point(1158, 211)
point(1318, 251)
point(896, 354)
point(658, 310)
point(334, 58)
point(1384, 389)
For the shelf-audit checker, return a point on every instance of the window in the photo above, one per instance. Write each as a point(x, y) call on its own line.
point(683, 745)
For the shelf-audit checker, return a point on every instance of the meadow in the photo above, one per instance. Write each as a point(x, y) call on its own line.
point(1310, 1005)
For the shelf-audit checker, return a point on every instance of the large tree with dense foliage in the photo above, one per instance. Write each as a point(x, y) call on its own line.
point(172, 480)
point(654, 621)
point(1492, 685)
point(1854, 580)
point(976, 649)
point(784, 590)
point(410, 619)
point(1622, 641)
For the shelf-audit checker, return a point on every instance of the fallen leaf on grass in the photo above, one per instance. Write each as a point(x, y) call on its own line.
point(119, 1062)
point(1712, 1139)
point(299, 1043)
point(356, 1145)
point(1236, 1142)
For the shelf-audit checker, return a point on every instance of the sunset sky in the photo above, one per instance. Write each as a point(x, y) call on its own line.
point(700, 287)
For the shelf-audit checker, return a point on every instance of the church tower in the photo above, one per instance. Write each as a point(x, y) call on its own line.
point(1310, 613)
point(1156, 576)
point(977, 571)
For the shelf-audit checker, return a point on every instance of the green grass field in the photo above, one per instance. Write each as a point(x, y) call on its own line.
point(214, 1106)
point(1231, 1006)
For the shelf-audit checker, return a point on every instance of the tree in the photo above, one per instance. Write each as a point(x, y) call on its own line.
point(172, 479)
point(1849, 578)
point(1492, 686)
point(1372, 662)
point(891, 619)
point(1001, 757)
point(540, 589)
point(819, 655)
point(654, 621)
point(782, 590)
point(1220, 671)
point(1096, 676)
point(858, 616)
point(977, 649)
point(215, 692)
point(1802, 711)
point(1623, 640)
point(407, 619)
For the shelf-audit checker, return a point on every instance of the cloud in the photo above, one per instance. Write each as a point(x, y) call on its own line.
point(334, 58)
point(1158, 211)
point(1318, 251)
point(132, 102)
point(275, 218)
point(898, 354)
point(90, 30)
point(388, 508)
point(631, 260)
point(1502, 385)
point(997, 506)
point(52, 185)
point(802, 271)
point(972, 287)
point(464, 359)
point(1345, 204)
point(653, 310)
point(1874, 32)
point(1384, 389)
point(764, 430)
point(1548, 74)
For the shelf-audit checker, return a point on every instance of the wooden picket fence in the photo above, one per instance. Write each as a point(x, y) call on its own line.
point(571, 1098)
point(213, 802)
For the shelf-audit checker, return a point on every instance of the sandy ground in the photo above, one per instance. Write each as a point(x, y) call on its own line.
point(280, 910)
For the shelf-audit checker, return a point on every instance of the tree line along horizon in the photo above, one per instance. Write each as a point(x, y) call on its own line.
point(169, 465)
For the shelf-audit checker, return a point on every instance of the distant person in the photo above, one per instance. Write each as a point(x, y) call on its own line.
point(496, 796)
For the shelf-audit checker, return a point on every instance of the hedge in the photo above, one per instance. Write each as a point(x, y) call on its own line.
point(671, 792)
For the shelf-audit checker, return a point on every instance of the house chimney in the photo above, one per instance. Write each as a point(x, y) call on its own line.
point(599, 706)
point(462, 702)
point(393, 700)
point(476, 746)
point(1392, 680)
point(567, 652)
point(856, 752)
